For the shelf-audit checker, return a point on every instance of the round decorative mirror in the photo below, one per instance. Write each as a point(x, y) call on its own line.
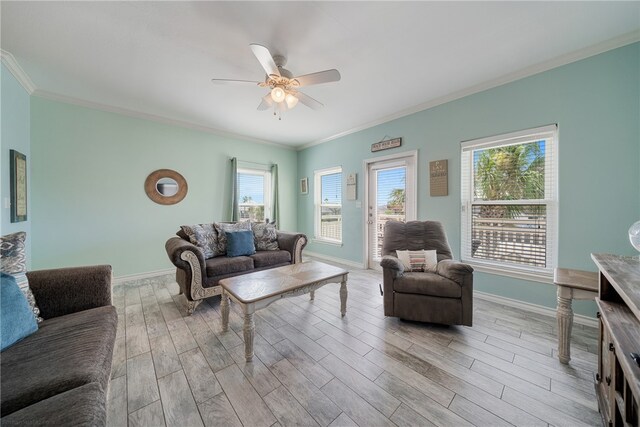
point(166, 187)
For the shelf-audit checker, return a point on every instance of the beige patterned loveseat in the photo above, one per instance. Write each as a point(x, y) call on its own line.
point(198, 277)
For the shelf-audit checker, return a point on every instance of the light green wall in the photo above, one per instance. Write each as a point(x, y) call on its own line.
point(596, 105)
point(15, 134)
point(89, 168)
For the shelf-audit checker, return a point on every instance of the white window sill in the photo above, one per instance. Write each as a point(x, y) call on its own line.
point(516, 273)
point(326, 242)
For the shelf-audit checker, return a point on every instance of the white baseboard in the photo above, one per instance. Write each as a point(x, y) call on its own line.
point(333, 259)
point(534, 308)
point(138, 276)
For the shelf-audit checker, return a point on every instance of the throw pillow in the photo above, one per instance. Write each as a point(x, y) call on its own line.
point(13, 261)
point(265, 236)
point(240, 243)
point(204, 236)
point(13, 257)
point(223, 227)
point(419, 260)
point(16, 318)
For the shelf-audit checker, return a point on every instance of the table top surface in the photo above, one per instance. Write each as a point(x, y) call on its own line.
point(623, 273)
point(252, 287)
point(577, 279)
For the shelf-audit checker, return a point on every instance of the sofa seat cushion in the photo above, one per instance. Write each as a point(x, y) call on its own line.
point(269, 258)
point(223, 265)
point(65, 353)
point(82, 406)
point(427, 284)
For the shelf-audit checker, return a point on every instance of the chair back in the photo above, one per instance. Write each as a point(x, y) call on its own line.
point(415, 235)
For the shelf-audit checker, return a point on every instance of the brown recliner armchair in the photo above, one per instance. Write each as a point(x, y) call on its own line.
point(445, 296)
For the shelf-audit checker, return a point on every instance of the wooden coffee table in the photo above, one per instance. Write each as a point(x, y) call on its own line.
point(257, 290)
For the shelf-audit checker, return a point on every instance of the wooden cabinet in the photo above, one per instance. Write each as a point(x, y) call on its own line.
point(618, 379)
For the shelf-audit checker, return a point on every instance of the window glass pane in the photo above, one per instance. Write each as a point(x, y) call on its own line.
point(331, 222)
point(513, 172)
point(331, 188)
point(251, 196)
point(514, 234)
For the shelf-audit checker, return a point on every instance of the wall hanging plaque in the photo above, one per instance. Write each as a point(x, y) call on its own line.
point(385, 145)
point(439, 175)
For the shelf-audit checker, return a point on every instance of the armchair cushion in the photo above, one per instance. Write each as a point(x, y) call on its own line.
point(427, 284)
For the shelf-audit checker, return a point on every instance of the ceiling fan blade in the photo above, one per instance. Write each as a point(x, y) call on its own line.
point(325, 76)
point(265, 58)
point(266, 103)
point(308, 101)
point(231, 81)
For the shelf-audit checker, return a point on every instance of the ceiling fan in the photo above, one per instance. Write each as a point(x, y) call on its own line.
point(284, 93)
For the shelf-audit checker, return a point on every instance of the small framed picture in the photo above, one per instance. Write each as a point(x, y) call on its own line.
point(304, 186)
point(18, 181)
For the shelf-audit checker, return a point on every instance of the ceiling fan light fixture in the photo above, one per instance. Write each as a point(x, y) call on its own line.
point(278, 94)
point(291, 100)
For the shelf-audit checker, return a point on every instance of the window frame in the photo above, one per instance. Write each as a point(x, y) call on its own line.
point(533, 273)
point(318, 204)
point(266, 191)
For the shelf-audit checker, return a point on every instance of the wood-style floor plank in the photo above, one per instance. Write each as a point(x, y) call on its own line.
point(251, 409)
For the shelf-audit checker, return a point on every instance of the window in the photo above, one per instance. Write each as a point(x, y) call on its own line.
point(509, 203)
point(328, 205)
point(254, 194)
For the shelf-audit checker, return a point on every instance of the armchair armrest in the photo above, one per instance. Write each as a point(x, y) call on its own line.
point(293, 243)
point(69, 290)
point(454, 270)
point(394, 264)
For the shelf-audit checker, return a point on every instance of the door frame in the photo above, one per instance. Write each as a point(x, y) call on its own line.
point(365, 211)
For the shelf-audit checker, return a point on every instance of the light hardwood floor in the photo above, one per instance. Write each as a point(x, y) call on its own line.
point(313, 367)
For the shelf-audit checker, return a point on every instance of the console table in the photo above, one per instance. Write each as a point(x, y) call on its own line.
point(618, 378)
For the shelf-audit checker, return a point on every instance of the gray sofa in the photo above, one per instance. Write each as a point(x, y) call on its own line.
point(444, 296)
point(60, 374)
point(198, 278)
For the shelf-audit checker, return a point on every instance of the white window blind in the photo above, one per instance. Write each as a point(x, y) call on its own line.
point(328, 204)
point(254, 194)
point(509, 189)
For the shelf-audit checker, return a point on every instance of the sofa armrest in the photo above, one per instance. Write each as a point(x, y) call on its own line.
point(69, 290)
point(293, 243)
point(454, 270)
point(183, 254)
point(393, 264)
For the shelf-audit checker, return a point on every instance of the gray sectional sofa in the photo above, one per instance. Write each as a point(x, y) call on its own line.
point(198, 277)
point(59, 375)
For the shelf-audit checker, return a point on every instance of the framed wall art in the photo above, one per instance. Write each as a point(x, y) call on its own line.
point(304, 186)
point(18, 181)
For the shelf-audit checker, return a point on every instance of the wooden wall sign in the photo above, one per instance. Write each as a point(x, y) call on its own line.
point(439, 177)
point(385, 145)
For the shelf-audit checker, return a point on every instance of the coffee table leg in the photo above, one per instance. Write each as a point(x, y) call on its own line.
point(249, 330)
point(224, 307)
point(313, 295)
point(343, 297)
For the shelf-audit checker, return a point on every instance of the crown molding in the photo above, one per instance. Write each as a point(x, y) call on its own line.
point(152, 117)
point(14, 67)
point(559, 61)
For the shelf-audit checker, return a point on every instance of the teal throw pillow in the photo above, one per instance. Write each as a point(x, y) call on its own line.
point(240, 243)
point(16, 318)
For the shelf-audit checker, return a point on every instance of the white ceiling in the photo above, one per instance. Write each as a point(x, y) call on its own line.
point(158, 57)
